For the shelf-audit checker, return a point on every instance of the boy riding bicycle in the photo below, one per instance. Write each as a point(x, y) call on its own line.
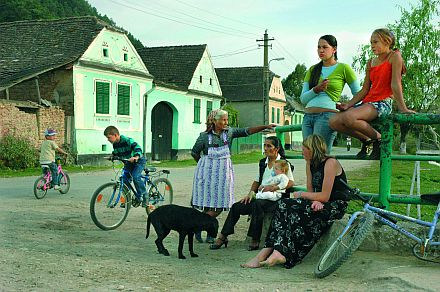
point(126, 148)
point(47, 155)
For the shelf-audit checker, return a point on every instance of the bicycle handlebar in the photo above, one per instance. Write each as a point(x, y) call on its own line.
point(355, 192)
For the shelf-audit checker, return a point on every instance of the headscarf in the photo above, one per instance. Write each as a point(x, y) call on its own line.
point(212, 117)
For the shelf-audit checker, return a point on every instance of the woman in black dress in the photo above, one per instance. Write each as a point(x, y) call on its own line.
point(298, 223)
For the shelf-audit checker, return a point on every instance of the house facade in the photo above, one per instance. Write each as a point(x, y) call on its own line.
point(186, 90)
point(83, 66)
point(243, 88)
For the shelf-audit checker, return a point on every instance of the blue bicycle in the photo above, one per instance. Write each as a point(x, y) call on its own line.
point(426, 247)
point(111, 202)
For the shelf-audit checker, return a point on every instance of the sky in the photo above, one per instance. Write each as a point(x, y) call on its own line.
point(230, 28)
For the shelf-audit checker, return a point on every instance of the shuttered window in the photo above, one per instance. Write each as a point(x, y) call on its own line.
point(123, 100)
point(196, 110)
point(102, 97)
point(278, 115)
point(273, 115)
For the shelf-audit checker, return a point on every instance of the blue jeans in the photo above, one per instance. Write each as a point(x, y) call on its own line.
point(54, 172)
point(318, 124)
point(135, 169)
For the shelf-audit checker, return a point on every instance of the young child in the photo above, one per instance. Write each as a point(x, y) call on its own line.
point(126, 148)
point(278, 178)
point(47, 155)
point(383, 83)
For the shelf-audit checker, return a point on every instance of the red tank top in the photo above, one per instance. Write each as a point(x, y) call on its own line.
point(380, 77)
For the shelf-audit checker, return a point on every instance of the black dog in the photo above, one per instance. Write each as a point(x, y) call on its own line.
point(184, 220)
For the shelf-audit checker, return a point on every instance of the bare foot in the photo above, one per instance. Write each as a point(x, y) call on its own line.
point(253, 263)
point(276, 258)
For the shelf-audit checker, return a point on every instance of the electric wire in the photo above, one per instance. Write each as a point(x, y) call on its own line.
point(218, 15)
point(175, 20)
point(207, 21)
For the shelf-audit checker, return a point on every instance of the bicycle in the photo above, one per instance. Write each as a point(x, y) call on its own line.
point(360, 223)
point(111, 202)
point(44, 182)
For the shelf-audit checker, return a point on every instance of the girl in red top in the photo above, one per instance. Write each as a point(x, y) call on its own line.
point(383, 82)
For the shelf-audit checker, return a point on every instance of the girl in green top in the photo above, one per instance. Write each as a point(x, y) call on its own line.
point(322, 88)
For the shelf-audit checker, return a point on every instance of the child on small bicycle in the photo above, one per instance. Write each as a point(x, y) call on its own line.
point(126, 148)
point(47, 155)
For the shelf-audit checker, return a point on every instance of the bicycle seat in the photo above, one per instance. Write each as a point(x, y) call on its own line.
point(150, 169)
point(435, 197)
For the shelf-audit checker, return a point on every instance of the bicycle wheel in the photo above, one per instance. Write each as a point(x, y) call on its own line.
point(64, 183)
point(106, 209)
point(430, 254)
point(160, 193)
point(344, 246)
point(40, 187)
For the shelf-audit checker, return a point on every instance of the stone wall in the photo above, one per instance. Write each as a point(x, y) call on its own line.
point(31, 122)
point(55, 86)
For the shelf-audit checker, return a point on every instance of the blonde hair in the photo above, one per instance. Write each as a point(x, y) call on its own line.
point(386, 36)
point(317, 146)
point(283, 165)
point(213, 116)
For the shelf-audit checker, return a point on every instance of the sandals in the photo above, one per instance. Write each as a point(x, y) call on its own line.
point(365, 150)
point(216, 245)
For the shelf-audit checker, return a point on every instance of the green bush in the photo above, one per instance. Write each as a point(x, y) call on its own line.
point(17, 153)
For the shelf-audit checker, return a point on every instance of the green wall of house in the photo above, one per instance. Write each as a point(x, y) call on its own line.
point(110, 59)
point(184, 130)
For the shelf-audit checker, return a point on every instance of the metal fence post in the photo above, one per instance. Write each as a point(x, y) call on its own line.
point(385, 162)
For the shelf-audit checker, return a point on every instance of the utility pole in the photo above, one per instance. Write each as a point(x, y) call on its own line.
point(266, 76)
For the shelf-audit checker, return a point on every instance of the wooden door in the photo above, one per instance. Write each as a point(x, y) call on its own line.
point(161, 126)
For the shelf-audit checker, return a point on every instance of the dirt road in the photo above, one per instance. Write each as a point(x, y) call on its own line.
point(52, 245)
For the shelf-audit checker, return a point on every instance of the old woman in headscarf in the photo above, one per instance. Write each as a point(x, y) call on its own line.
point(213, 185)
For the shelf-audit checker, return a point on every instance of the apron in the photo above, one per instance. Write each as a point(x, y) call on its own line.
point(213, 184)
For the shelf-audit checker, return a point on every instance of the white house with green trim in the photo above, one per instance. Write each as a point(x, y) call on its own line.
point(82, 65)
point(186, 90)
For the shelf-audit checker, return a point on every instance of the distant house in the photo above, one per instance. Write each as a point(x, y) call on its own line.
point(82, 65)
point(242, 87)
point(294, 111)
point(186, 90)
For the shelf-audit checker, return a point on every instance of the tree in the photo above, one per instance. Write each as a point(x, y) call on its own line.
point(418, 38)
point(292, 85)
point(232, 115)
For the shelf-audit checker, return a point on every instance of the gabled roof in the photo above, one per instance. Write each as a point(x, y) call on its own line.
point(29, 48)
point(242, 83)
point(172, 65)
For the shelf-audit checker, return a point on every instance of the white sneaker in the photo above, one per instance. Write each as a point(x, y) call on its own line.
point(56, 187)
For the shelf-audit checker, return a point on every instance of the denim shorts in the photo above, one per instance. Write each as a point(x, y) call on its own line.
point(383, 107)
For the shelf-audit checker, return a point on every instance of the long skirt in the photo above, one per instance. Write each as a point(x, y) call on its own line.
point(296, 228)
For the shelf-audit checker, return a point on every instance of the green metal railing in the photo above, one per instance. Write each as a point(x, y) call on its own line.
point(386, 124)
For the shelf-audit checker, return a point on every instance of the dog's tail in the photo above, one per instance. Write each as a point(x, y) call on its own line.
point(148, 226)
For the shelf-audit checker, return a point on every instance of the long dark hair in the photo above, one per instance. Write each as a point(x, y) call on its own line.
point(276, 142)
point(316, 72)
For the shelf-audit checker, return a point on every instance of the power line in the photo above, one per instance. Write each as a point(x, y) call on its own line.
point(287, 52)
point(278, 53)
point(218, 15)
point(232, 54)
point(245, 48)
point(178, 21)
point(206, 21)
